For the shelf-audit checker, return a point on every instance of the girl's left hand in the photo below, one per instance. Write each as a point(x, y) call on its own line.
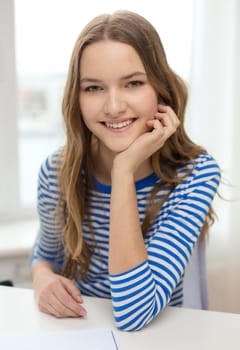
point(164, 124)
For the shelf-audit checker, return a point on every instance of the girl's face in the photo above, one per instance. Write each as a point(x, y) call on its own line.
point(116, 98)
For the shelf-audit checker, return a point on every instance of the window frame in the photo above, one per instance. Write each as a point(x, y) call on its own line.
point(10, 206)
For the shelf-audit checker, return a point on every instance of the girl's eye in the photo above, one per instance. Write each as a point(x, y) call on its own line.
point(134, 83)
point(93, 88)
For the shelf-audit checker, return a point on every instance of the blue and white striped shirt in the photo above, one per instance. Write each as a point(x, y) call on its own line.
point(139, 294)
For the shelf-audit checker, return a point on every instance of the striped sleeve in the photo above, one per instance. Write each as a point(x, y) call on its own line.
point(140, 294)
point(48, 245)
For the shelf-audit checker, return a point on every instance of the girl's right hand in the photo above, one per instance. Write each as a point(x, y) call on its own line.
point(57, 295)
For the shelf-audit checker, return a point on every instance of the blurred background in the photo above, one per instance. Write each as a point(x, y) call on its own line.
point(202, 43)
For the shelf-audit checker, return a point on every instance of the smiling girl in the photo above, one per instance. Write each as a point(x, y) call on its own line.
point(124, 202)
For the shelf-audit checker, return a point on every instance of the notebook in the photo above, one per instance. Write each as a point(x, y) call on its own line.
point(90, 339)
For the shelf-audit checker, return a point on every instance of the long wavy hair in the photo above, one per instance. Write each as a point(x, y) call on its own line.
point(76, 164)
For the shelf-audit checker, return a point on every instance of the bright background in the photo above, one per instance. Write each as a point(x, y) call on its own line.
point(202, 42)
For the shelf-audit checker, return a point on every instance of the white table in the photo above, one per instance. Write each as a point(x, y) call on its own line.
point(175, 328)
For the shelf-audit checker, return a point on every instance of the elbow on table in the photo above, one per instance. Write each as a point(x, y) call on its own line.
point(133, 325)
point(133, 316)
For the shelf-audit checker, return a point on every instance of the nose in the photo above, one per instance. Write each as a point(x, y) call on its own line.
point(115, 104)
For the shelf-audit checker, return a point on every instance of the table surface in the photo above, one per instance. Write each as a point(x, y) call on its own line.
point(175, 328)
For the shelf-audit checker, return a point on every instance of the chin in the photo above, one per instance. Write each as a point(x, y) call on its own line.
point(118, 148)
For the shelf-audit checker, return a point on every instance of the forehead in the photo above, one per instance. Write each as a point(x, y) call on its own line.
point(106, 57)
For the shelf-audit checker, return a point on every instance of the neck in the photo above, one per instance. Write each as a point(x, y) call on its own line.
point(103, 160)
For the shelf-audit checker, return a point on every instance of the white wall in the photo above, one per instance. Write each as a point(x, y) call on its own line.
point(214, 120)
point(9, 186)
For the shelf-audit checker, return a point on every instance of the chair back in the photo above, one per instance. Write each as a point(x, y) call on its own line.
point(195, 287)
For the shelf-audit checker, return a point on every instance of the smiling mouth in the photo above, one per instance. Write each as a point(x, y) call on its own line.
point(119, 125)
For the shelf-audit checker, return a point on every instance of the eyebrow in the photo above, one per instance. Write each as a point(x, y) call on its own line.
point(125, 77)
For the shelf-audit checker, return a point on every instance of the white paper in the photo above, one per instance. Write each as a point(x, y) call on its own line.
point(90, 339)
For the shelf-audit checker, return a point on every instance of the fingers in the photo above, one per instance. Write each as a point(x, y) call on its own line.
point(48, 309)
point(155, 125)
point(164, 124)
point(167, 117)
point(65, 304)
point(72, 290)
point(61, 298)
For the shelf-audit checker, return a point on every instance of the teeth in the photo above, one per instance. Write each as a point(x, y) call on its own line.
point(118, 125)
